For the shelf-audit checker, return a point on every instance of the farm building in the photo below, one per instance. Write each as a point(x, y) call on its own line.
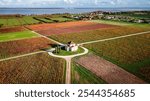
point(71, 46)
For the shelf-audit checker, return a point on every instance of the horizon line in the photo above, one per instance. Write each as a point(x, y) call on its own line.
point(67, 7)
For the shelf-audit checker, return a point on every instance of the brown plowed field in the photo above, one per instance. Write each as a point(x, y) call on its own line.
point(13, 29)
point(58, 25)
point(13, 48)
point(108, 71)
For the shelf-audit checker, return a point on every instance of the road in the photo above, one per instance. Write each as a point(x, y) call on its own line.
point(68, 70)
point(19, 56)
point(68, 62)
point(48, 38)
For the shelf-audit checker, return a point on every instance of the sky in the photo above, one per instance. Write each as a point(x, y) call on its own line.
point(74, 3)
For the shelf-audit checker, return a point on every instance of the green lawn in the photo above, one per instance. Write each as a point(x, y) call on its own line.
point(80, 75)
point(16, 35)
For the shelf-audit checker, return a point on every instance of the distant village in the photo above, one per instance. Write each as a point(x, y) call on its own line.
point(134, 17)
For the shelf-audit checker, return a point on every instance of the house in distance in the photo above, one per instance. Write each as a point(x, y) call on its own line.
point(71, 46)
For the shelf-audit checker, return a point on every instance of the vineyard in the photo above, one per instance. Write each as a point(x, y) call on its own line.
point(20, 20)
point(61, 19)
point(13, 48)
point(97, 34)
point(131, 53)
point(35, 69)
point(40, 27)
point(81, 75)
point(12, 29)
point(17, 21)
point(108, 71)
point(112, 22)
point(74, 29)
point(145, 72)
point(121, 60)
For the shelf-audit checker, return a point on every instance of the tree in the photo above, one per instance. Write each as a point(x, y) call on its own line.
point(1, 25)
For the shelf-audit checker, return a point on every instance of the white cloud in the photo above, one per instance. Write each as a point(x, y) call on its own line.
point(73, 3)
point(96, 2)
point(70, 1)
point(105, 2)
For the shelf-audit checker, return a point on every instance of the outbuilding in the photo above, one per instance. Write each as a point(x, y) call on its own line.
point(71, 46)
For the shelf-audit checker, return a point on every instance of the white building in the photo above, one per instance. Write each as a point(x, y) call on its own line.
point(71, 46)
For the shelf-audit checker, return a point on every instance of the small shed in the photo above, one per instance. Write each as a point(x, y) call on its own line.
point(71, 46)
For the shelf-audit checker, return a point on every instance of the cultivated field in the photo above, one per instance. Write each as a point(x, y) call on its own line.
point(17, 35)
point(107, 71)
point(35, 69)
point(40, 27)
point(112, 22)
point(121, 23)
point(30, 20)
point(74, 29)
point(61, 19)
point(17, 21)
point(126, 57)
point(81, 75)
point(44, 20)
point(13, 48)
point(131, 53)
point(3, 22)
point(20, 20)
point(98, 34)
point(145, 72)
point(12, 22)
point(11, 29)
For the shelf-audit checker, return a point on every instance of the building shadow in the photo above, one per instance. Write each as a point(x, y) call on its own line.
point(53, 45)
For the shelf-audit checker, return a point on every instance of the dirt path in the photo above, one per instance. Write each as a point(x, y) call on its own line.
point(108, 71)
point(68, 63)
point(48, 38)
point(19, 56)
point(68, 70)
point(114, 38)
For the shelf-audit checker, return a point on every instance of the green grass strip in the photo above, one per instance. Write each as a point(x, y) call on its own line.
point(16, 36)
